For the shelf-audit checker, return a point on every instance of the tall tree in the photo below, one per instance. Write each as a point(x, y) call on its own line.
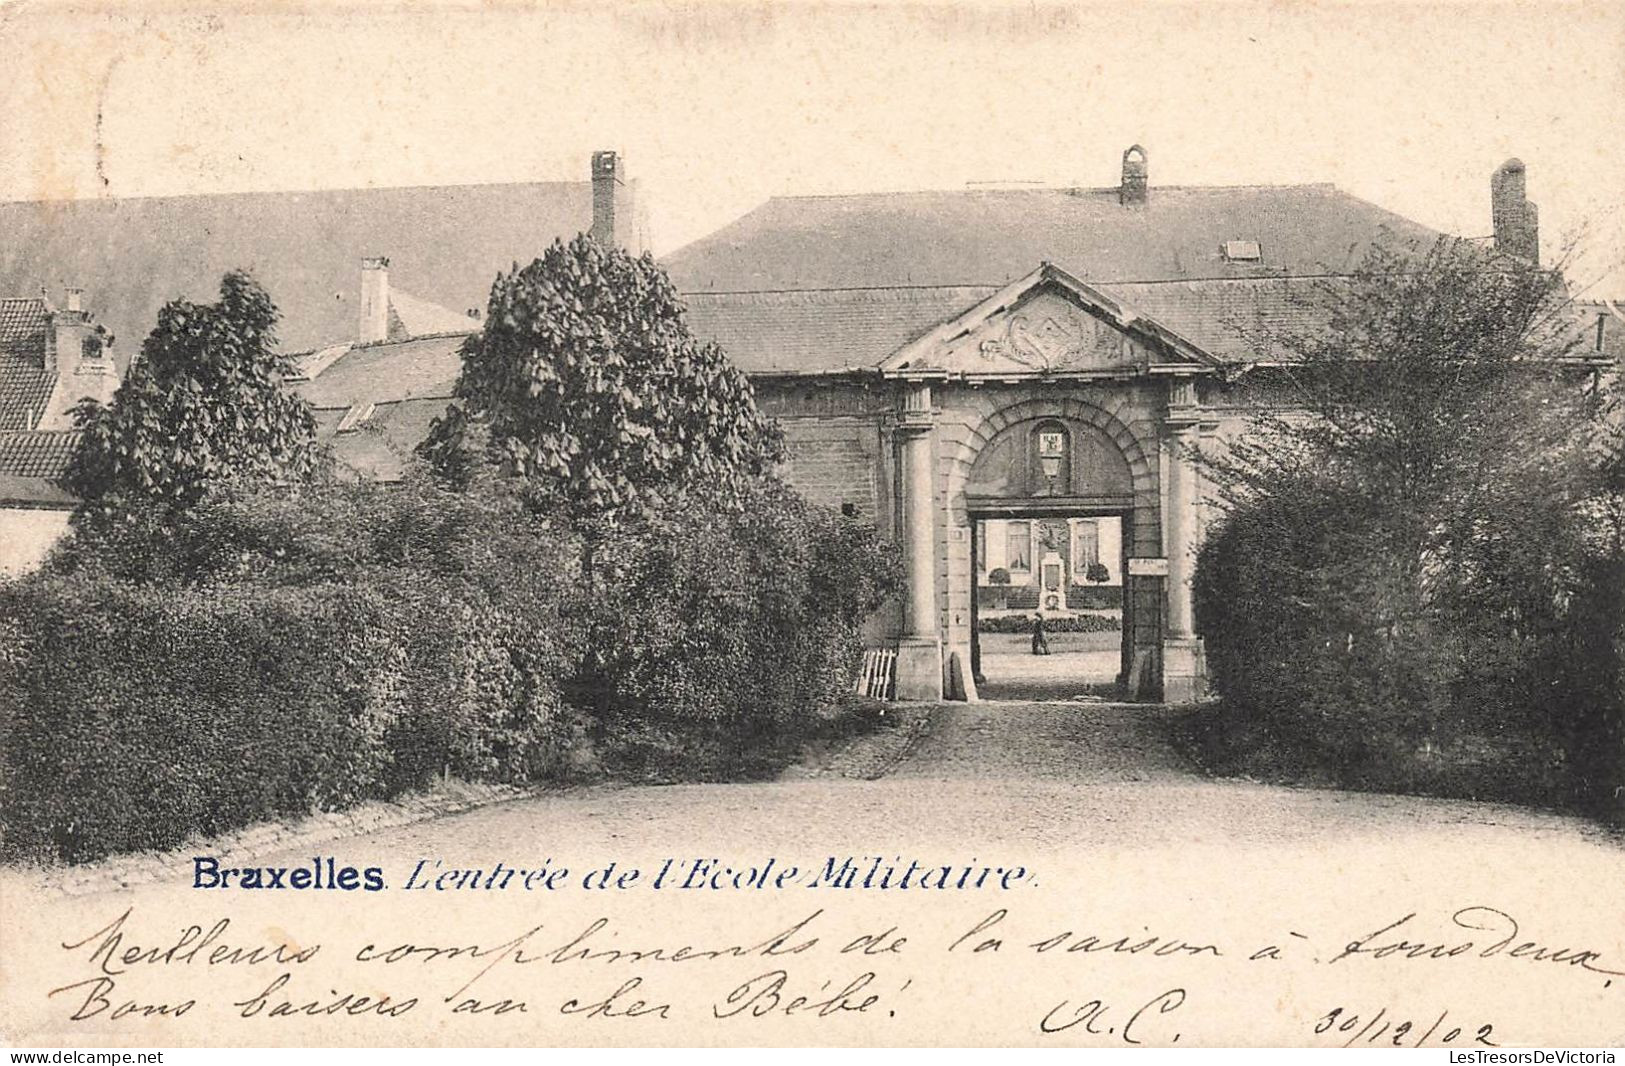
point(586, 383)
point(1404, 547)
point(203, 407)
point(1435, 393)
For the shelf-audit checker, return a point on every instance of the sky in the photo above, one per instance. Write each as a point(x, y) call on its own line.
point(718, 106)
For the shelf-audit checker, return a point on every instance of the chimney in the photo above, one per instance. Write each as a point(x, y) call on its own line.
point(79, 354)
point(1515, 219)
point(1136, 180)
point(608, 191)
point(374, 325)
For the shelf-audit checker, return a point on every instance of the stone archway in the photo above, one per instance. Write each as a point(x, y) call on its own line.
point(1138, 502)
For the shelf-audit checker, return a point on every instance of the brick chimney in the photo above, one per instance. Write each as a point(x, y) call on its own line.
point(609, 199)
point(1516, 220)
point(1136, 179)
point(374, 319)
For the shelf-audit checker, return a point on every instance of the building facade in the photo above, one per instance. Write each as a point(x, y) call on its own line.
point(1000, 377)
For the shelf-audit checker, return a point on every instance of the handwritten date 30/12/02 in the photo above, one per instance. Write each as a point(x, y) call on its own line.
point(1385, 1029)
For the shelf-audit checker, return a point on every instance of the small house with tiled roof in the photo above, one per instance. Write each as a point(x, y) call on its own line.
point(50, 360)
point(1016, 381)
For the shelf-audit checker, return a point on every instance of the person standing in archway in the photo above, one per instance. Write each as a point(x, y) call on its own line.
point(1040, 640)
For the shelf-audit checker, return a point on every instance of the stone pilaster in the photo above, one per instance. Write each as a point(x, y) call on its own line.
point(919, 651)
point(1183, 661)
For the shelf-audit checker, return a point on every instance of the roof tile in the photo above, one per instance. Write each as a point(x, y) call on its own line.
point(36, 454)
point(25, 389)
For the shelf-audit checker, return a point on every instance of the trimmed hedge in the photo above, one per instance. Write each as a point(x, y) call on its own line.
point(1330, 676)
point(1023, 623)
point(272, 656)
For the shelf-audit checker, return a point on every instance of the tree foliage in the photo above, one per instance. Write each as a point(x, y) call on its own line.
point(1432, 398)
point(1398, 575)
point(202, 407)
point(587, 383)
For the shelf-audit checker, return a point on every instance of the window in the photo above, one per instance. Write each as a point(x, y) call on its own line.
point(1085, 548)
point(981, 547)
point(1242, 251)
point(1019, 545)
point(355, 417)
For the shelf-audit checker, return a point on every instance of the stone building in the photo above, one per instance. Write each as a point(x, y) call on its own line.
point(968, 366)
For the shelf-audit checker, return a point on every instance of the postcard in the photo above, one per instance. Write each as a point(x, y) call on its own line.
point(746, 524)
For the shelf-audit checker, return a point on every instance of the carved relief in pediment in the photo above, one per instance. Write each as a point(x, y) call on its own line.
point(1048, 334)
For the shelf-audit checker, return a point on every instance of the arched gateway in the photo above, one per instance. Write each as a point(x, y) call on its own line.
point(1045, 475)
point(1045, 410)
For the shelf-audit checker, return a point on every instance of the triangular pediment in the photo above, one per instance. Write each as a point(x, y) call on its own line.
point(1048, 323)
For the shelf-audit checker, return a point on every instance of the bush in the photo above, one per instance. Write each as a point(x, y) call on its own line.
point(721, 633)
point(1326, 676)
point(1023, 623)
point(273, 654)
point(286, 655)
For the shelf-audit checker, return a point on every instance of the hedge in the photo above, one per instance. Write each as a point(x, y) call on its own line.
point(1326, 677)
point(720, 630)
point(1023, 623)
point(270, 656)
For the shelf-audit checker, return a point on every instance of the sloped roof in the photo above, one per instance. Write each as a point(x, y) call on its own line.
point(25, 389)
point(382, 447)
point(385, 373)
point(37, 454)
point(25, 384)
point(133, 255)
point(24, 321)
point(34, 492)
point(829, 331)
point(422, 318)
point(990, 237)
point(1035, 352)
point(821, 331)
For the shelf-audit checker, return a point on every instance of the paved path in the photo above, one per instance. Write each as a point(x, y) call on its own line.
point(1051, 775)
point(1117, 837)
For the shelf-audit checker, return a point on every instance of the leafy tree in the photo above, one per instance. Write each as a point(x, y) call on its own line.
point(1434, 393)
point(586, 383)
point(1404, 543)
point(202, 407)
point(1097, 573)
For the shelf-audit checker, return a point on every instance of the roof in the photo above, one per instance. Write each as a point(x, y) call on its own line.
point(822, 284)
point(833, 330)
point(1059, 341)
point(384, 373)
point(133, 255)
point(24, 321)
point(35, 492)
point(382, 446)
point(25, 383)
point(385, 395)
point(990, 237)
point(25, 390)
point(821, 331)
point(37, 453)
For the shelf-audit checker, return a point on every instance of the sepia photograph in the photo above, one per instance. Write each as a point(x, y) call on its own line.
point(812, 524)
